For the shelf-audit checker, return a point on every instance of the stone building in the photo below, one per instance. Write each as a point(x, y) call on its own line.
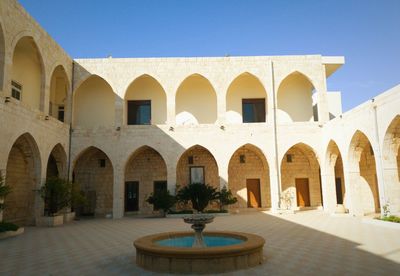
point(266, 127)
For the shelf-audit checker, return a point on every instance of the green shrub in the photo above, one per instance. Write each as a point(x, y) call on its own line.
point(4, 191)
point(162, 200)
point(56, 193)
point(391, 219)
point(225, 198)
point(7, 226)
point(200, 195)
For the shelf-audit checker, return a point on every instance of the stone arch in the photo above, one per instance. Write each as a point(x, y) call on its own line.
point(362, 175)
point(57, 162)
point(195, 101)
point(249, 164)
point(391, 164)
point(244, 86)
point(2, 56)
point(295, 99)
point(147, 170)
point(94, 103)
point(23, 175)
point(197, 156)
point(336, 190)
point(147, 88)
point(28, 73)
point(299, 170)
point(94, 174)
point(59, 85)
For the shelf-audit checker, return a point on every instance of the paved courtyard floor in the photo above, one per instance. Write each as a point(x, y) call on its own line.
point(307, 243)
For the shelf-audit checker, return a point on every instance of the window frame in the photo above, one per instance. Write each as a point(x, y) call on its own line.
point(14, 87)
point(254, 101)
point(137, 103)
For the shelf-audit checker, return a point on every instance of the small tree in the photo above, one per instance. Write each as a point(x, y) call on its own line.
point(162, 200)
point(4, 191)
point(56, 193)
point(78, 199)
point(225, 198)
point(200, 195)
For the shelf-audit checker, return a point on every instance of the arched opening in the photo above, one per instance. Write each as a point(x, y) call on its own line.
point(58, 93)
point(57, 163)
point(94, 103)
point(363, 175)
point(335, 177)
point(27, 73)
point(23, 175)
point(145, 172)
point(2, 57)
point(246, 100)
point(295, 99)
point(93, 172)
point(248, 177)
point(300, 175)
point(197, 165)
point(195, 102)
point(146, 102)
point(391, 164)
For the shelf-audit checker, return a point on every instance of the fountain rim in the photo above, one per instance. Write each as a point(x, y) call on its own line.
point(147, 244)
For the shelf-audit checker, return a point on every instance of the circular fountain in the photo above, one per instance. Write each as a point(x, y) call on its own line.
point(208, 252)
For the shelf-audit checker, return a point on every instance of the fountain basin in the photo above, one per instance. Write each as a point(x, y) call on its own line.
point(151, 255)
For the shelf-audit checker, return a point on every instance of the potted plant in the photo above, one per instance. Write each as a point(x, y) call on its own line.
point(199, 194)
point(7, 229)
point(56, 193)
point(162, 200)
point(225, 198)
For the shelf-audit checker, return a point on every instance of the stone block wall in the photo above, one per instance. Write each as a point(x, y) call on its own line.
point(255, 167)
point(146, 166)
point(303, 165)
point(95, 181)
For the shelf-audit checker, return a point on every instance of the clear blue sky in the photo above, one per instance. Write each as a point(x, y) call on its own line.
point(366, 32)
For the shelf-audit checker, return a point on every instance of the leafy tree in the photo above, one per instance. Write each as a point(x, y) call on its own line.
point(162, 200)
point(200, 195)
point(225, 198)
point(56, 193)
point(4, 191)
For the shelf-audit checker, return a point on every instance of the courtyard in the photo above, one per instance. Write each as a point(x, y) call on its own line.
point(306, 243)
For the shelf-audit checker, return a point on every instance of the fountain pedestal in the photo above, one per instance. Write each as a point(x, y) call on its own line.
point(198, 222)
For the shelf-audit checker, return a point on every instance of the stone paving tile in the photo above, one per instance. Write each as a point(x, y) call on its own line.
point(307, 243)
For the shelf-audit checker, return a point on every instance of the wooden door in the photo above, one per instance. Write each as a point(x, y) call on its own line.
point(131, 196)
point(303, 192)
point(339, 193)
point(253, 193)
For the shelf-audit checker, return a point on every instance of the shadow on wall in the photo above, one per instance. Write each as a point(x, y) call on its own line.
point(109, 127)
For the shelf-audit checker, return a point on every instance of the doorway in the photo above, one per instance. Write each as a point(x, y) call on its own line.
point(253, 193)
point(303, 192)
point(339, 193)
point(131, 196)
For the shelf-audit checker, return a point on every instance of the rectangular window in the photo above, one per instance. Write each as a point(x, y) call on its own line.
point(16, 90)
point(102, 163)
point(61, 113)
point(253, 110)
point(196, 175)
point(289, 158)
point(139, 112)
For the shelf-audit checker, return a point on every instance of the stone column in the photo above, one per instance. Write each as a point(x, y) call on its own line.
point(118, 192)
point(170, 108)
point(171, 177)
point(328, 187)
point(275, 187)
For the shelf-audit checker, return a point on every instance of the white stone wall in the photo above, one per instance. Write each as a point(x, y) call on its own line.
point(118, 141)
